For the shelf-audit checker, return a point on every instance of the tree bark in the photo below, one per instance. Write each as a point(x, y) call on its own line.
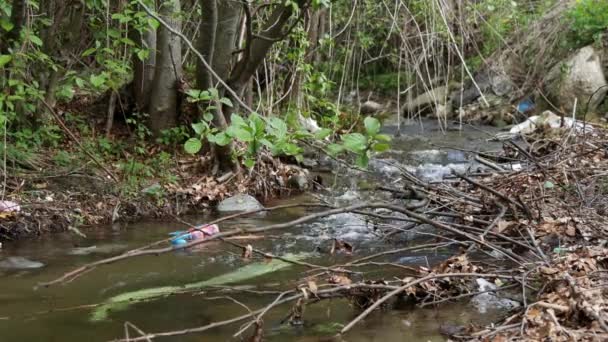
point(206, 42)
point(260, 45)
point(143, 73)
point(164, 104)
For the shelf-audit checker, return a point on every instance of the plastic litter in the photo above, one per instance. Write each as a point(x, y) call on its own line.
point(9, 206)
point(196, 233)
point(525, 106)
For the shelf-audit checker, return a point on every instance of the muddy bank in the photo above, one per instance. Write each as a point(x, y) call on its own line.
point(74, 201)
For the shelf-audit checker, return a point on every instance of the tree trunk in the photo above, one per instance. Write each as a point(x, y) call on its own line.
point(206, 42)
point(143, 74)
point(260, 45)
point(216, 42)
point(164, 104)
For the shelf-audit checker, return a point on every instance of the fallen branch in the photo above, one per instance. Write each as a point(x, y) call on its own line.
point(412, 283)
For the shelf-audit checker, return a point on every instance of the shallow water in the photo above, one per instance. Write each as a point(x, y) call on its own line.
point(28, 313)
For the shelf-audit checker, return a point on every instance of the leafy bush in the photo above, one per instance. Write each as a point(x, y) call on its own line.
point(589, 20)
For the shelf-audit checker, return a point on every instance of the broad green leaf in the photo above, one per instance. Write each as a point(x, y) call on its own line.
point(278, 127)
point(199, 127)
point(355, 142)
point(236, 119)
point(89, 51)
point(221, 139)
point(549, 185)
point(362, 160)
point(193, 95)
point(226, 101)
point(249, 162)
point(240, 133)
point(193, 145)
point(323, 133)
point(142, 54)
point(6, 25)
point(79, 82)
point(372, 125)
point(381, 147)
point(97, 80)
point(5, 59)
point(35, 39)
point(257, 124)
point(291, 149)
point(208, 117)
point(335, 149)
point(383, 137)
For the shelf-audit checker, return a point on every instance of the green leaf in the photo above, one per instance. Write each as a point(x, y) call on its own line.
point(142, 54)
point(199, 127)
point(89, 51)
point(291, 149)
point(5, 59)
point(335, 149)
point(549, 185)
point(208, 117)
point(249, 162)
point(355, 142)
point(381, 147)
point(372, 125)
point(193, 145)
point(362, 160)
point(226, 101)
point(240, 133)
point(277, 127)
point(220, 139)
point(323, 133)
point(383, 137)
point(79, 82)
point(257, 124)
point(193, 95)
point(97, 80)
point(236, 119)
point(35, 39)
point(6, 25)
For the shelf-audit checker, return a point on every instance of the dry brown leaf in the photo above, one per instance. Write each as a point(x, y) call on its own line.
point(312, 286)
point(570, 231)
point(339, 279)
point(548, 270)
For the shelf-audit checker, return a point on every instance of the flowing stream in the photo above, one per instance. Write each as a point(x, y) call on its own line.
point(61, 313)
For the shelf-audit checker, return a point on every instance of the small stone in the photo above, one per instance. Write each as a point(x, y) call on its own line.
point(370, 107)
point(20, 263)
point(241, 202)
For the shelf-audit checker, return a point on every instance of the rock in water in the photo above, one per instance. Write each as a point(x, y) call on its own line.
point(370, 107)
point(20, 263)
point(241, 202)
point(578, 78)
point(489, 300)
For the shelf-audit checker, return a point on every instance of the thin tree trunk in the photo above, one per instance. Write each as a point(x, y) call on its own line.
point(143, 74)
point(164, 104)
point(260, 45)
point(206, 42)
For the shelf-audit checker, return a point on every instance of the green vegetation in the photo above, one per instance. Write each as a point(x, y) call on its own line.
point(589, 21)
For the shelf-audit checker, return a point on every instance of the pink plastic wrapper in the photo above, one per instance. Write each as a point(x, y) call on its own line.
point(202, 232)
point(9, 206)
